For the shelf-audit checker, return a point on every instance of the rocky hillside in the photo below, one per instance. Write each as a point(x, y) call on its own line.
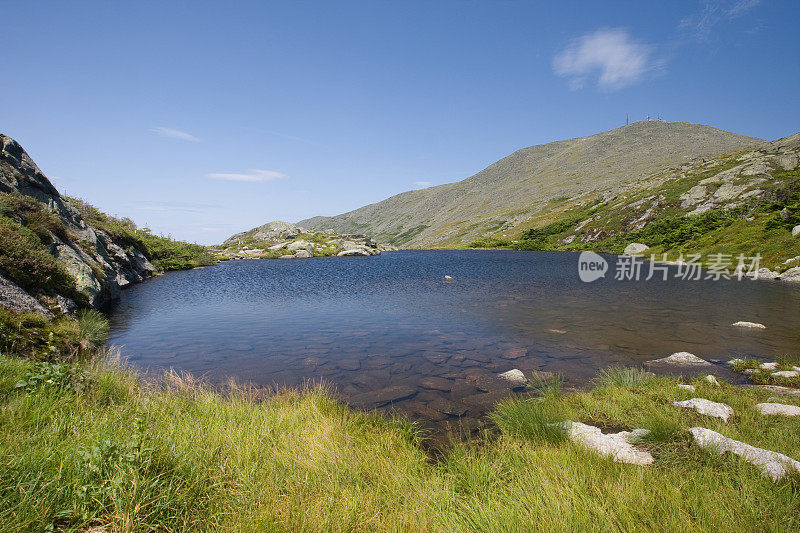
point(57, 253)
point(510, 193)
point(283, 240)
point(747, 202)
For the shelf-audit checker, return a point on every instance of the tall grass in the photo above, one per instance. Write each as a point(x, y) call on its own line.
point(623, 376)
point(179, 457)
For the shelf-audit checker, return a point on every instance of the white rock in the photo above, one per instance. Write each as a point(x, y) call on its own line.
point(768, 366)
point(777, 389)
point(734, 361)
point(707, 407)
point(448, 278)
point(279, 246)
point(617, 446)
point(635, 248)
point(713, 380)
point(778, 409)
point(744, 324)
point(763, 273)
point(356, 252)
point(786, 374)
point(514, 375)
point(681, 359)
point(796, 231)
point(772, 464)
point(690, 388)
point(301, 245)
point(793, 274)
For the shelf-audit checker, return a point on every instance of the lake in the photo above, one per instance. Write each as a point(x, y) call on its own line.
point(390, 332)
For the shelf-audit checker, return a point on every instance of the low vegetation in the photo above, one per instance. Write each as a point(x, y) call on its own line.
point(86, 443)
point(164, 252)
point(761, 225)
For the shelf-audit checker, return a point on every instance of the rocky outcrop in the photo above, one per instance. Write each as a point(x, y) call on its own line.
point(99, 265)
point(284, 240)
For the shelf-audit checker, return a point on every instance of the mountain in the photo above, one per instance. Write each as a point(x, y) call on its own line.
point(507, 195)
point(745, 202)
point(58, 253)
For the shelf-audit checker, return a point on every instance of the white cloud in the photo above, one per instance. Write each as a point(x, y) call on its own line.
point(700, 25)
point(422, 184)
point(611, 53)
point(250, 175)
point(742, 6)
point(175, 134)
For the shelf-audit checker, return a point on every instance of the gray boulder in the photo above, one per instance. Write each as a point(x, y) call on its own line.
point(13, 297)
point(301, 245)
point(635, 248)
point(793, 274)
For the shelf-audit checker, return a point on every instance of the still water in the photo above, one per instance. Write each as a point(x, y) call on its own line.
point(391, 328)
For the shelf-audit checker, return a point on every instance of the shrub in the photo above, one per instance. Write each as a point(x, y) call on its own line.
point(28, 262)
point(489, 242)
point(677, 230)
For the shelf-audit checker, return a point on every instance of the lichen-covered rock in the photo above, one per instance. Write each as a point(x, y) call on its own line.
point(778, 409)
point(680, 359)
point(707, 407)
point(15, 298)
point(616, 446)
point(772, 464)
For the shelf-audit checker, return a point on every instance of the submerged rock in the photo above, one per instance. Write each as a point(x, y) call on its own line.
point(707, 407)
point(772, 464)
point(617, 446)
point(778, 409)
point(515, 376)
point(380, 397)
point(745, 324)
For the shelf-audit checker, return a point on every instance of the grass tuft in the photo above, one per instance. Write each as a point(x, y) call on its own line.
point(623, 376)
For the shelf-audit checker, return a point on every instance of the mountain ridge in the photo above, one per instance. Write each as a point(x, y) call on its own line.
point(512, 190)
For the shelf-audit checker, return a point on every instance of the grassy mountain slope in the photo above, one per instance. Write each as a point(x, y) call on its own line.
point(516, 188)
point(745, 202)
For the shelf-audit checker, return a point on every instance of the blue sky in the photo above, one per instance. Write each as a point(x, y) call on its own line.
point(201, 119)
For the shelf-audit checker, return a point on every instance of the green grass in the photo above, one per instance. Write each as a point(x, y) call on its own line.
point(91, 445)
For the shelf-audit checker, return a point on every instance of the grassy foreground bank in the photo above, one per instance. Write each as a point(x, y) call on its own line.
point(89, 444)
